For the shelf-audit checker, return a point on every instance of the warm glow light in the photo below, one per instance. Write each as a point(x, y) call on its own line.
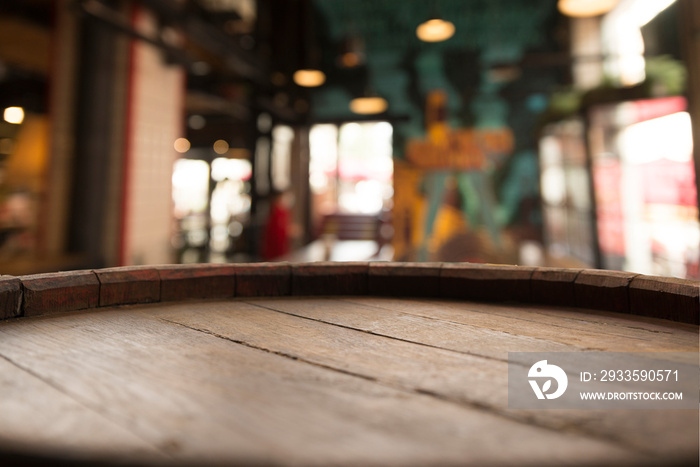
point(309, 78)
point(585, 8)
point(350, 59)
point(435, 30)
point(668, 137)
point(181, 145)
point(239, 153)
point(14, 115)
point(368, 105)
point(220, 146)
point(233, 169)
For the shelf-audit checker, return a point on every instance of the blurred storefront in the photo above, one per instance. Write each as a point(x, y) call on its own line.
point(617, 173)
point(142, 132)
point(634, 208)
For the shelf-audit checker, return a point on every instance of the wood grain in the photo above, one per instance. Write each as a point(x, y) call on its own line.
point(199, 396)
point(603, 290)
point(10, 297)
point(193, 281)
point(601, 331)
point(665, 297)
point(263, 280)
point(488, 282)
point(59, 292)
point(404, 279)
point(327, 278)
point(462, 378)
point(126, 285)
point(44, 420)
point(553, 286)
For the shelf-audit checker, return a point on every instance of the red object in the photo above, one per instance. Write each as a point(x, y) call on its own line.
point(669, 182)
point(276, 239)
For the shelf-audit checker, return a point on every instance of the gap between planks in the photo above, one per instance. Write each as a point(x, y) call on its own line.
point(567, 423)
point(623, 335)
point(469, 404)
point(129, 346)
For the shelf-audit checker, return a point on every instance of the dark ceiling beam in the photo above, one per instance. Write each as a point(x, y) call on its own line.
point(197, 30)
point(203, 103)
point(98, 11)
point(212, 39)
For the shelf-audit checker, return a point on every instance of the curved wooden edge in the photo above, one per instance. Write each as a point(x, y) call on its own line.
point(660, 297)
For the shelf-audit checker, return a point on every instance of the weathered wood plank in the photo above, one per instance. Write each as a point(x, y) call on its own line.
point(196, 281)
point(490, 282)
point(665, 297)
point(39, 418)
point(202, 398)
point(326, 278)
point(59, 292)
point(603, 290)
point(263, 280)
point(576, 328)
point(465, 379)
point(10, 297)
point(443, 333)
point(126, 285)
point(404, 279)
point(553, 286)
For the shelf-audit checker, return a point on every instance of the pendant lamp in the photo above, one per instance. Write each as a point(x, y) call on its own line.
point(369, 103)
point(585, 8)
point(308, 75)
point(435, 29)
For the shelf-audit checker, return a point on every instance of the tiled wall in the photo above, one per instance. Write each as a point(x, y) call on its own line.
point(155, 121)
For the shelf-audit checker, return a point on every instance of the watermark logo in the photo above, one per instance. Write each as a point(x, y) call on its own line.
point(603, 380)
point(546, 372)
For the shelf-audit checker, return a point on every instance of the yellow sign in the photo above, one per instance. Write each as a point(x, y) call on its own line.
point(465, 149)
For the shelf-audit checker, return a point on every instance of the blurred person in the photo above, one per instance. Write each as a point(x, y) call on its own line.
point(278, 227)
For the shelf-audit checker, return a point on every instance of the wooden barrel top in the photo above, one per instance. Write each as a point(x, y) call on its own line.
point(326, 364)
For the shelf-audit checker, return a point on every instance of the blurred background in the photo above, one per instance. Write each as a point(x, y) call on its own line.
point(536, 132)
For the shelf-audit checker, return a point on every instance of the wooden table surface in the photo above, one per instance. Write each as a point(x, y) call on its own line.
point(322, 381)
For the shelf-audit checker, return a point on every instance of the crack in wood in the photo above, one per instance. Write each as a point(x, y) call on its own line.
point(270, 351)
point(372, 333)
point(568, 427)
point(581, 321)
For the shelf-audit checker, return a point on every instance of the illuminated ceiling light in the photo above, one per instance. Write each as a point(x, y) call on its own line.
point(308, 75)
point(350, 60)
point(220, 146)
point(585, 8)
point(368, 105)
point(182, 145)
point(435, 30)
point(14, 115)
point(351, 52)
point(309, 78)
point(645, 12)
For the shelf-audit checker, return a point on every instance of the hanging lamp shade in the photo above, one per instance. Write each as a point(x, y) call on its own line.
point(309, 77)
point(352, 52)
point(435, 30)
point(586, 8)
point(368, 105)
